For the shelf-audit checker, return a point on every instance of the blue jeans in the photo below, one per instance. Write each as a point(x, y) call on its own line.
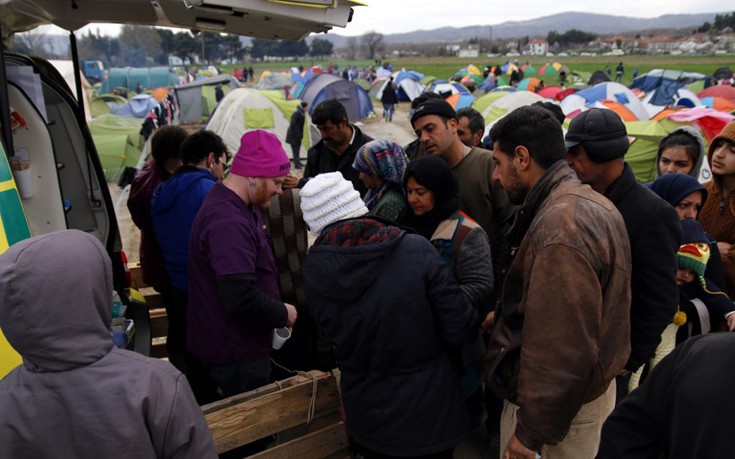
point(388, 110)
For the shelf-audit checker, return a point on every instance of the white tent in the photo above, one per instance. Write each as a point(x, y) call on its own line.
point(244, 110)
point(66, 69)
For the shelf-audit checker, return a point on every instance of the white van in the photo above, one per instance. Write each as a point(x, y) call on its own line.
point(59, 182)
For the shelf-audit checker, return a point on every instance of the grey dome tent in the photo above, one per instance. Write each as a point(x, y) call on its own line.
point(326, 86)
point(197, 100)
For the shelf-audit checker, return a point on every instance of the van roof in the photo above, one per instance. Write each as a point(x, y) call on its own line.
point(284, 19)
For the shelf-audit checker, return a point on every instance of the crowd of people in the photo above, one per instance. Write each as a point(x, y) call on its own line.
point(526, 279)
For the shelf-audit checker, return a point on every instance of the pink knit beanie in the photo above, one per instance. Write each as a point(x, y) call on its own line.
point(260, 155)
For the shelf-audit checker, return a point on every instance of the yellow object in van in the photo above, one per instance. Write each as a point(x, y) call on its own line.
point(13, 228)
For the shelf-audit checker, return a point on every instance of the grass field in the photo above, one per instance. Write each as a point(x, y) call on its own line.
point(445, 67)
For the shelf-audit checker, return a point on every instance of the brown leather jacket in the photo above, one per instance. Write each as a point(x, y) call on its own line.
point(562, 330)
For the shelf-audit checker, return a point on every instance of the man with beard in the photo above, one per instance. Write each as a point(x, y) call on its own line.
point(561, 331)
point(234, 302)
point(335, 152)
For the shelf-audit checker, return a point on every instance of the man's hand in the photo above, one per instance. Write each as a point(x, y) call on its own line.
point(731, 322)
point(724, 247)
point(516, 450)
point(292, 314)
point(488, 323)
point(291, 181)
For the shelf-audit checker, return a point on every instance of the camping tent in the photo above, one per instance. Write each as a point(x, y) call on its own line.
point(506, 104)
point(609, 90)
point(118, 143)
point(66, 69)
point(598, 77)
point(408, 84)
point(274, 81)
point(326, 86)
point(129, 77)
point(454, 92)
point(102, 103)
point(197, 100)
point(137, 107)
point(658, 77)
point(243, 110)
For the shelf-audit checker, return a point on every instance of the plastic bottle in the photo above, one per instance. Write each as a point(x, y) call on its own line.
point(116, 305)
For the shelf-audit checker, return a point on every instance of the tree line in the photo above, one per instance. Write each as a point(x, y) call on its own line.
point(721, 22)
point(140, 46)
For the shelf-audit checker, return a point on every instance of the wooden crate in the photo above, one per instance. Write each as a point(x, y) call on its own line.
point(282, 409)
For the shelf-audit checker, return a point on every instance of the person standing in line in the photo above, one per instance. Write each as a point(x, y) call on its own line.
point(381, 164)
point(76, 394)
point(684, 408)
point(234, 303)
point(166, 157)
point(174, 206)
point(470, 127)
point(336, 150)
point(433, 211)
point(718, 212)
point(389, 100)
point(562, 328)
point(388, 303)
point(596, 144)
point(295, 133)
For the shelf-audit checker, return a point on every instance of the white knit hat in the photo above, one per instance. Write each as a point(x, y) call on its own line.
point(329, 198)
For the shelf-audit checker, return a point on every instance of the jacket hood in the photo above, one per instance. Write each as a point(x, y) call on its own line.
point(56, 300)
point(345, 270)
point(673, 188)
point(701, 153)
point(167, 193)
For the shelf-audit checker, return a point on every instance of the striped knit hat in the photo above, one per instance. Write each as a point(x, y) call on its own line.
point(694, 250)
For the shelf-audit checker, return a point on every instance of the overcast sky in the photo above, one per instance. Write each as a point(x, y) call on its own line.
point(396, 16)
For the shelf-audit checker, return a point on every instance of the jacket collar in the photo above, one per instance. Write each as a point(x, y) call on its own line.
point(554, 175)
point(621, 186)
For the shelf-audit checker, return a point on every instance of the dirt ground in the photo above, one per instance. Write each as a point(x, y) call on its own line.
point(398, 131)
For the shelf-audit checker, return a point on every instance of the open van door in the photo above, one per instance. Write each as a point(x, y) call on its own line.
point(44, 131)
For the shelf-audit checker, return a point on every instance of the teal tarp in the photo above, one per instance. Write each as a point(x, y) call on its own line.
point(149, 78)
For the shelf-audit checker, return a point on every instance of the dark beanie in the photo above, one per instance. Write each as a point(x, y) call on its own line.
point(434, 107)
point(673, 188)
point(601, 132)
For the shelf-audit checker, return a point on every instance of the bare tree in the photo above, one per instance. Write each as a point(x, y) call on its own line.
point(351, 47)
point(372, 42)
point(139, 45)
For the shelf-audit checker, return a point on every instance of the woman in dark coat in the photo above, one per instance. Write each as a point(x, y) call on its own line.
point(389, 99)
point(389, 305)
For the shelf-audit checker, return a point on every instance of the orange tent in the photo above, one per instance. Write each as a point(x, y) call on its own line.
point(159, 93)
point(620, 109)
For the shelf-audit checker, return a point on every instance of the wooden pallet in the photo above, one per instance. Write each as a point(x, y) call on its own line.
point(282, 409)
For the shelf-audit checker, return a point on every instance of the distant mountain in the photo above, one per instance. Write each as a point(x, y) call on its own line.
point(601, 24)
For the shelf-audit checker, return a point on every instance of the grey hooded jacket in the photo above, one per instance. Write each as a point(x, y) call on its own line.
point(76, 395)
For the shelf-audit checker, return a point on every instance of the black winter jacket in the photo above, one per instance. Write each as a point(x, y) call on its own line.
point(654, 232)
point(393, 312)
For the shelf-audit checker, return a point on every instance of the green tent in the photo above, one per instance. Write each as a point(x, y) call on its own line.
point(641, 155)
point(118, 143)
point(116, 153)
point(101, 104)
point(482, 103)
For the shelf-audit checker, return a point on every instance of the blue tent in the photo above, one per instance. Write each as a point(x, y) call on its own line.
point(327, 86)
point(137, 107)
